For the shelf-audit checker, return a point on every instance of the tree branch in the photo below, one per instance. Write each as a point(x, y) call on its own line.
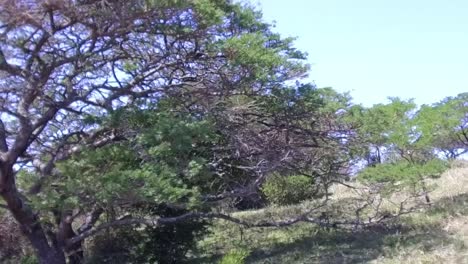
point(155, 222)
point(91, 220)
point(3, 137)
point(11, 69)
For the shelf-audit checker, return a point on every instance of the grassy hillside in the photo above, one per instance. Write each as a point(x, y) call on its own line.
point(438, 234)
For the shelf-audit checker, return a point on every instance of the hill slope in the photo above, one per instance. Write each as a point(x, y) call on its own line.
point(438, 234)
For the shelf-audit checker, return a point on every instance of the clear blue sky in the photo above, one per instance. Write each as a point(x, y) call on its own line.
point(379, 48)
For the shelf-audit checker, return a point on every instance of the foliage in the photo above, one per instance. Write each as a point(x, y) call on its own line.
point(395, 141)
point(235, 256)
point(285, 190)
point(383, 129)
point(404, 171)
point(163, 163)
point(114, 246)
point(170, 243)
point(165, 244)
point(445, 125)
point(30, 259)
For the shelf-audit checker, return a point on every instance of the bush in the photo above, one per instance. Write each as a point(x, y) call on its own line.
point(171, 243)
point(29, 259)
point(236, 256)
point(114, 246)
point(403, 171)
point(164, 244)
point(286, 190)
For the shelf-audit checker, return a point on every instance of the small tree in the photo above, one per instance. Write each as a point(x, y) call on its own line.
point(405, 151)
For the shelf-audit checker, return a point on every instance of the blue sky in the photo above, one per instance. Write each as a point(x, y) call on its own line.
point(379, 48)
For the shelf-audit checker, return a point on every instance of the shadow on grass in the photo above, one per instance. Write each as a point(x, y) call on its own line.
point(451, 206)
point(339, 246)
point(347, 247)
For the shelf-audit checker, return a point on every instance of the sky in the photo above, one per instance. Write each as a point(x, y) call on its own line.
point(379, 48)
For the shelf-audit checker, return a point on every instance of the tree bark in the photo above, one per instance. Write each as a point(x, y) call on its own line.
point(65, 232)
point(28, 221)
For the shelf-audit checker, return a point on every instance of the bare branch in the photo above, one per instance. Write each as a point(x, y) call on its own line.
point(91, 220)
point(10, 69)
point(154, 222)
point(3, 137)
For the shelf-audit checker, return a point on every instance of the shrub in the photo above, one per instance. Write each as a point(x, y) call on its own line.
point(29, 259)
point(164, 244)
point(285, 190)
point(113, 246)
point(404, 171)
point(171, 243)
point(235, 256)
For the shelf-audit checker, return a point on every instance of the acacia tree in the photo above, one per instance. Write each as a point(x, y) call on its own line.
point(445, 125)
point(71, 68)
point(399, 141)
point(383, 130)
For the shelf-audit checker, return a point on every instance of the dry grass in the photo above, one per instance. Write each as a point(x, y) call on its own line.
point(453, 182)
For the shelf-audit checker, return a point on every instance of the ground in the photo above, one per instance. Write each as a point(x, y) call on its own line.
point(437, 234)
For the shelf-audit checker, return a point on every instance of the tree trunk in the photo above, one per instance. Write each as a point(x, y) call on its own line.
point(65, 232)
point(27, 220)
point(54, 256)
point(426, 193)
